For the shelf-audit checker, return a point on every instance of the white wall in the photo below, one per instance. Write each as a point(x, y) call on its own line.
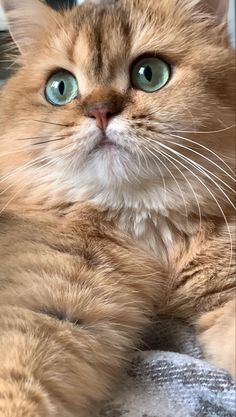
point(232, 21)
point(2, 20)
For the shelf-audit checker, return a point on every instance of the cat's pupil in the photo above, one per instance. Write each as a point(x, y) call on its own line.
point(148, 73)
point(61, 88)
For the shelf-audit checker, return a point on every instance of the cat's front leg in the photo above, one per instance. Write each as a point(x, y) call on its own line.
point(217, 336)
point(70, 315)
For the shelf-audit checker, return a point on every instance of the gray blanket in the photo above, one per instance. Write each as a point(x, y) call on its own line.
point(171, 379)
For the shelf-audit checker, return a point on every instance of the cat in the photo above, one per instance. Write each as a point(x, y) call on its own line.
point(116, 193)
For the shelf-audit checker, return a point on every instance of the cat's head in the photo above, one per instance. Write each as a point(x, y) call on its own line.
point(129, 104)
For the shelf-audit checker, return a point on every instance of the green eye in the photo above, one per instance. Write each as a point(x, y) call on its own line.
point(150, 74)
point(61, 88)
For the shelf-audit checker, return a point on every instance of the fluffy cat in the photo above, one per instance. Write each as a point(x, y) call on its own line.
point(116, 193)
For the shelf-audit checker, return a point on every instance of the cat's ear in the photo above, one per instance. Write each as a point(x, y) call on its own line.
point(219, 9)
point(27, 19)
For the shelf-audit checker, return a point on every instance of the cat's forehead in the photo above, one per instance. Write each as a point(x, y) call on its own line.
point(102, 39)
point(99, 43)
point(122, 26)
point(106, 39)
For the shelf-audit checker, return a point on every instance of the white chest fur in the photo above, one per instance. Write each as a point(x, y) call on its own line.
point(153, 232)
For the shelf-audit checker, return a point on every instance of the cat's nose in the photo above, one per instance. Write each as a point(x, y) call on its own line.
point(102, 113)
point(102, 104)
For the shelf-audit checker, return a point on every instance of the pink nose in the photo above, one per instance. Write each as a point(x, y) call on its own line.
point(102, 115)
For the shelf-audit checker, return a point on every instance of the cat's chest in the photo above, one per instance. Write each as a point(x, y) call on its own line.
point(155, 233)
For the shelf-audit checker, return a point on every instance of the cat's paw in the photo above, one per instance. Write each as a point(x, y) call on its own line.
point(217, 336)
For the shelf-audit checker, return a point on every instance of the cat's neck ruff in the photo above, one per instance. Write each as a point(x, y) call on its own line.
point(154, 217)
point(156, 221)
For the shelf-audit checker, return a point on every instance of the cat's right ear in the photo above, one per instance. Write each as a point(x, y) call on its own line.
point(27, 19)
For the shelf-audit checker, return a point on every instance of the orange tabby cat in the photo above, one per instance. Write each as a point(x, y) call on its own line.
point(116, 193)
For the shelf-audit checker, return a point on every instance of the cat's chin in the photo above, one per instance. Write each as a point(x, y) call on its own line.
point(107, 148)
point(108, 167)
point(108, 158)
point(109, 162)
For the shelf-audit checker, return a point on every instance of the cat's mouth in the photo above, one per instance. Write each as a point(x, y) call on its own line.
point(107, 144)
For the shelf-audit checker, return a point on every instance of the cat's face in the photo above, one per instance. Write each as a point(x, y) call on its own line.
point(111, 103)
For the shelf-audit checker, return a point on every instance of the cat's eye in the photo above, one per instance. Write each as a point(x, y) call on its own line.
point(61, 88)
point(150, 74)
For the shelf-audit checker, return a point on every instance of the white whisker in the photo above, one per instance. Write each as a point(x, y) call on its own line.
point(207, 131)
point(18, 191)
point(12, 152)
point(172, 176)
point(208, 190)
point(200, 169)
point(12, 198)
point(31, 164)
point(21, 168)
point(211, 173)
point(159, 169)
point(208, 150)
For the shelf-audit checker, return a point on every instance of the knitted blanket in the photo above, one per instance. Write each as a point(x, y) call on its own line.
point(171, 379)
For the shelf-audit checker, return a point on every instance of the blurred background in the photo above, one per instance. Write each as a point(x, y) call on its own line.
point(5, 65)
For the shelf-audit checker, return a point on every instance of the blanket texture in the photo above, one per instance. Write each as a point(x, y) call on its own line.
point(171, 379)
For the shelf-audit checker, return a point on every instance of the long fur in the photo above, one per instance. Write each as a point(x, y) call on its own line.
point(95, 239)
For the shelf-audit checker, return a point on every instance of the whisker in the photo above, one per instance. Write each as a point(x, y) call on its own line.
point(12, 152)
point(21, 168)
point(207, 149)
point(62, 28)
point(50, 140)
point(209, 160)
point(51, 123)
point(190, 186)
point(212, 195)
point(159, 160)
point(51, 162)
point(35, 161)
point(199, 168)
point(172, 176)
point(20, 190)
point(206, 131)
point(138, 156)
point(43, 137)
point(12, 198)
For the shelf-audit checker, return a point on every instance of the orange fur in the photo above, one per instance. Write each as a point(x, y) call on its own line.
point(74, 302)
point(94, 241)
point(215, 328)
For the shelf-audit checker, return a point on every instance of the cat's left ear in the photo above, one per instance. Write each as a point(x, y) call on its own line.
point(219, 9)
point(27, 19)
